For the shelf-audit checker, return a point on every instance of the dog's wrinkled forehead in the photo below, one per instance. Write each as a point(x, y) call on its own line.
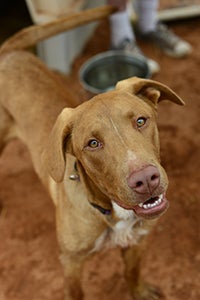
point(114, 104)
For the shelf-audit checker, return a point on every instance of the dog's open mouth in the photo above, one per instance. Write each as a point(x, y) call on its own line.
point(152, 207)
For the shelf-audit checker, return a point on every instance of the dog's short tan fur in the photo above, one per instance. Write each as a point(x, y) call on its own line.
point(96, 209)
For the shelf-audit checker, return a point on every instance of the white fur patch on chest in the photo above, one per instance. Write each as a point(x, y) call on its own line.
point(126, 232)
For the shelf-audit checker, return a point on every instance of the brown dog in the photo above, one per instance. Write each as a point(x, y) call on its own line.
point(99, 161)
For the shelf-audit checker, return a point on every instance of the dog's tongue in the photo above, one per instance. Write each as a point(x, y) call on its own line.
point(152, 208)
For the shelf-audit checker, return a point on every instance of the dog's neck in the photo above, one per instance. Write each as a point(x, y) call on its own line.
point(75, 176)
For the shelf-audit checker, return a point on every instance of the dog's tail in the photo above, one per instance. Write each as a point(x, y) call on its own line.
point(30, 36)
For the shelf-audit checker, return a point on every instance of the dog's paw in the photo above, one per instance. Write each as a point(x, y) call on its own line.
point(148, 292)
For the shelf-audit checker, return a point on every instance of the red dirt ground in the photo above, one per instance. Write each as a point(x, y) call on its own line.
point(29, 265)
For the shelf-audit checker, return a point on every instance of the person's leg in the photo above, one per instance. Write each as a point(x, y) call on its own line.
point(120, 25)
point(122, 34)
point(147, 14)
point(154, 32)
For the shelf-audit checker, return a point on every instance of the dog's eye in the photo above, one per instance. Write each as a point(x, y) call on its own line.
point(94, 144)
point(141, 121)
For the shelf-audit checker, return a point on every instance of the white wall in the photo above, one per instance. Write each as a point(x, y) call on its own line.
point(59, 52)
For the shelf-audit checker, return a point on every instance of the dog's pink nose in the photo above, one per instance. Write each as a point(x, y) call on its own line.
point(145, 180)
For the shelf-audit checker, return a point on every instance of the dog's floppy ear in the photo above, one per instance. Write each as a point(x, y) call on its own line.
point(58, 143)
point(153, 90)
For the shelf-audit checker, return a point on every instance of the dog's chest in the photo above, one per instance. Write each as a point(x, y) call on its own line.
point(126, 232)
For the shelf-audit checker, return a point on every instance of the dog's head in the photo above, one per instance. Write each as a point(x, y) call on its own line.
point(114, 138)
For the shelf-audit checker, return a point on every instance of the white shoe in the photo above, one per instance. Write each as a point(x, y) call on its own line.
point(131, 47)
point(167, 41)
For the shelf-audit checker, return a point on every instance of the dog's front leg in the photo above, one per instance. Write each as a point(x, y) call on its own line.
point(138, 289)
point(72, 271)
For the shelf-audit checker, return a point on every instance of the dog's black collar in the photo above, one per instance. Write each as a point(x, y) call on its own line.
point(104, 211)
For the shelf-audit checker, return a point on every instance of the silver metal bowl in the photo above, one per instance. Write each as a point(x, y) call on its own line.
point(101, 72)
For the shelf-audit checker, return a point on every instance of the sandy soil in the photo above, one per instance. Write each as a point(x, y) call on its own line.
point(29, 265)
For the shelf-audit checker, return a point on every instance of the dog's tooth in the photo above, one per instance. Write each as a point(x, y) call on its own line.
point(150, 205)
